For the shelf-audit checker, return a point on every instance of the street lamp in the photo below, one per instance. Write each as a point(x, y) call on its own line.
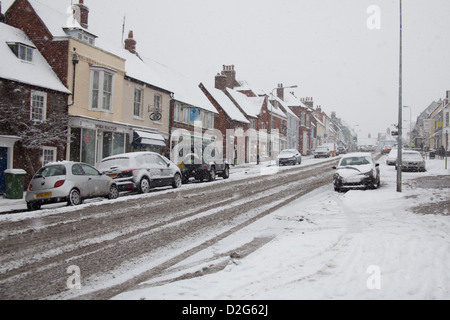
point(399, 156)
point(271, 114)
point(410, 120)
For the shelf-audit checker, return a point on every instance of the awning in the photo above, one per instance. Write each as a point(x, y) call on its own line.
point(143, 138)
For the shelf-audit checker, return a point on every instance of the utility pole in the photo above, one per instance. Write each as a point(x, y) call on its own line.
point(399, 154)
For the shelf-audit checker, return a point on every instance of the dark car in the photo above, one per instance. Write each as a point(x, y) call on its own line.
point(197, 165)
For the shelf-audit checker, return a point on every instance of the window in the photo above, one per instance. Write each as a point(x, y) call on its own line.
point(177, 112)
point(22, 51)
point(49, 155)
point(38, 108)
point(101, 90)
point(137, 103)
point(186, 115)
point(157, 106)
point(302, 118)
point(203, 119)
point(211, 120)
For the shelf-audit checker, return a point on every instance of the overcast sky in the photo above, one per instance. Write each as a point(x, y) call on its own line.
point(324, 46)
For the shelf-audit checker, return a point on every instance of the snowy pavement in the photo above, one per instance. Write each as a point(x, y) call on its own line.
point(374, 244)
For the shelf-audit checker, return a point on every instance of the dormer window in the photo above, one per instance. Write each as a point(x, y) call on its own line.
point(81, 35)
point(22, 51)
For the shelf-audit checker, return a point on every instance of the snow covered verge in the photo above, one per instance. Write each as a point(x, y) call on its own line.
point(374, 244)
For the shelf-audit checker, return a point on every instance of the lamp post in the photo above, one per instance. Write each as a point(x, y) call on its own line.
point(410, 120)
point(399, 156)
point(271, 115)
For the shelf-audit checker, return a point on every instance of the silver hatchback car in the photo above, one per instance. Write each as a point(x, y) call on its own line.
point(68, 181)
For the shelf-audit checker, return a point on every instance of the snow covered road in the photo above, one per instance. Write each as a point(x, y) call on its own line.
point(375, 244)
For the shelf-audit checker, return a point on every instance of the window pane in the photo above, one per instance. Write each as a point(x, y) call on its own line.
point(88, 146)
point(137, 102)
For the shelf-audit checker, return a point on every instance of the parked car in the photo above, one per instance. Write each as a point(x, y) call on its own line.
point(412, 161)
point(322, 152)
point(289, 156)
point(141, 171)
point(356, 170)
point(196, 165)
point(386, 150)
point(391, 159)
point(341, 150)
point(68, 181)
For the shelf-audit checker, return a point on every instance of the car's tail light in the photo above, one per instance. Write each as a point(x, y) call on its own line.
point(126, 173)
point(59, 183)
point(30, 187)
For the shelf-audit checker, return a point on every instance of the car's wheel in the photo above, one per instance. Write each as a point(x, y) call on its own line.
point(226, 172)
point(177, 181)
point(113, 192)
point(212, 174)
point(74, 198)
point(33, 206)
point(144, 185)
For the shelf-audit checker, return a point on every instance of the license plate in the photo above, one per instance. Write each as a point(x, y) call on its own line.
point(112, 175)
point(43, 195)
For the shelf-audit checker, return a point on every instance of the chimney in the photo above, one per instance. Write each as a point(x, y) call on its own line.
point(130, 43)
point(220, 82)
point(230, 74)
point(84, 14)
point(309, 102)
point(280, 91)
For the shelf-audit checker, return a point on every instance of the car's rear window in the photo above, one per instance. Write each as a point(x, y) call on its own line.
point(114, 162)
point(51, 171)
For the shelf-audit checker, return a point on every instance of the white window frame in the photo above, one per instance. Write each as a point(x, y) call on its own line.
point(53, 151)
point(137, 105)
point(42, 95)
point(99, 105)
point(177, 112)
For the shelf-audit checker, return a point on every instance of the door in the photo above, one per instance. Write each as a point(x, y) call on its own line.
point(3, 167)
point(97, 183)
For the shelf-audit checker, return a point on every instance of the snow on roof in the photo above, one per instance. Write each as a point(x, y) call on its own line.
point(273, 107)
point(286, 107)
point(227, 105)
point(184, 88)
point(37, 72)
point(56, 20)
point(250, 105)
point(293, 101)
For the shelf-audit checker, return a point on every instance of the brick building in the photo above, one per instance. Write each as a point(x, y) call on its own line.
point(33, 106)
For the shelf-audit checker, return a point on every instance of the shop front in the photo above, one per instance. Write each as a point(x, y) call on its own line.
point(93, 139)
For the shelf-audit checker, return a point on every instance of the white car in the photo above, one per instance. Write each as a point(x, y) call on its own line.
point(141, 171)
point(322, 151)
point(412, 161)
point(391, 159)
point(289, 156)
point(356, 170)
